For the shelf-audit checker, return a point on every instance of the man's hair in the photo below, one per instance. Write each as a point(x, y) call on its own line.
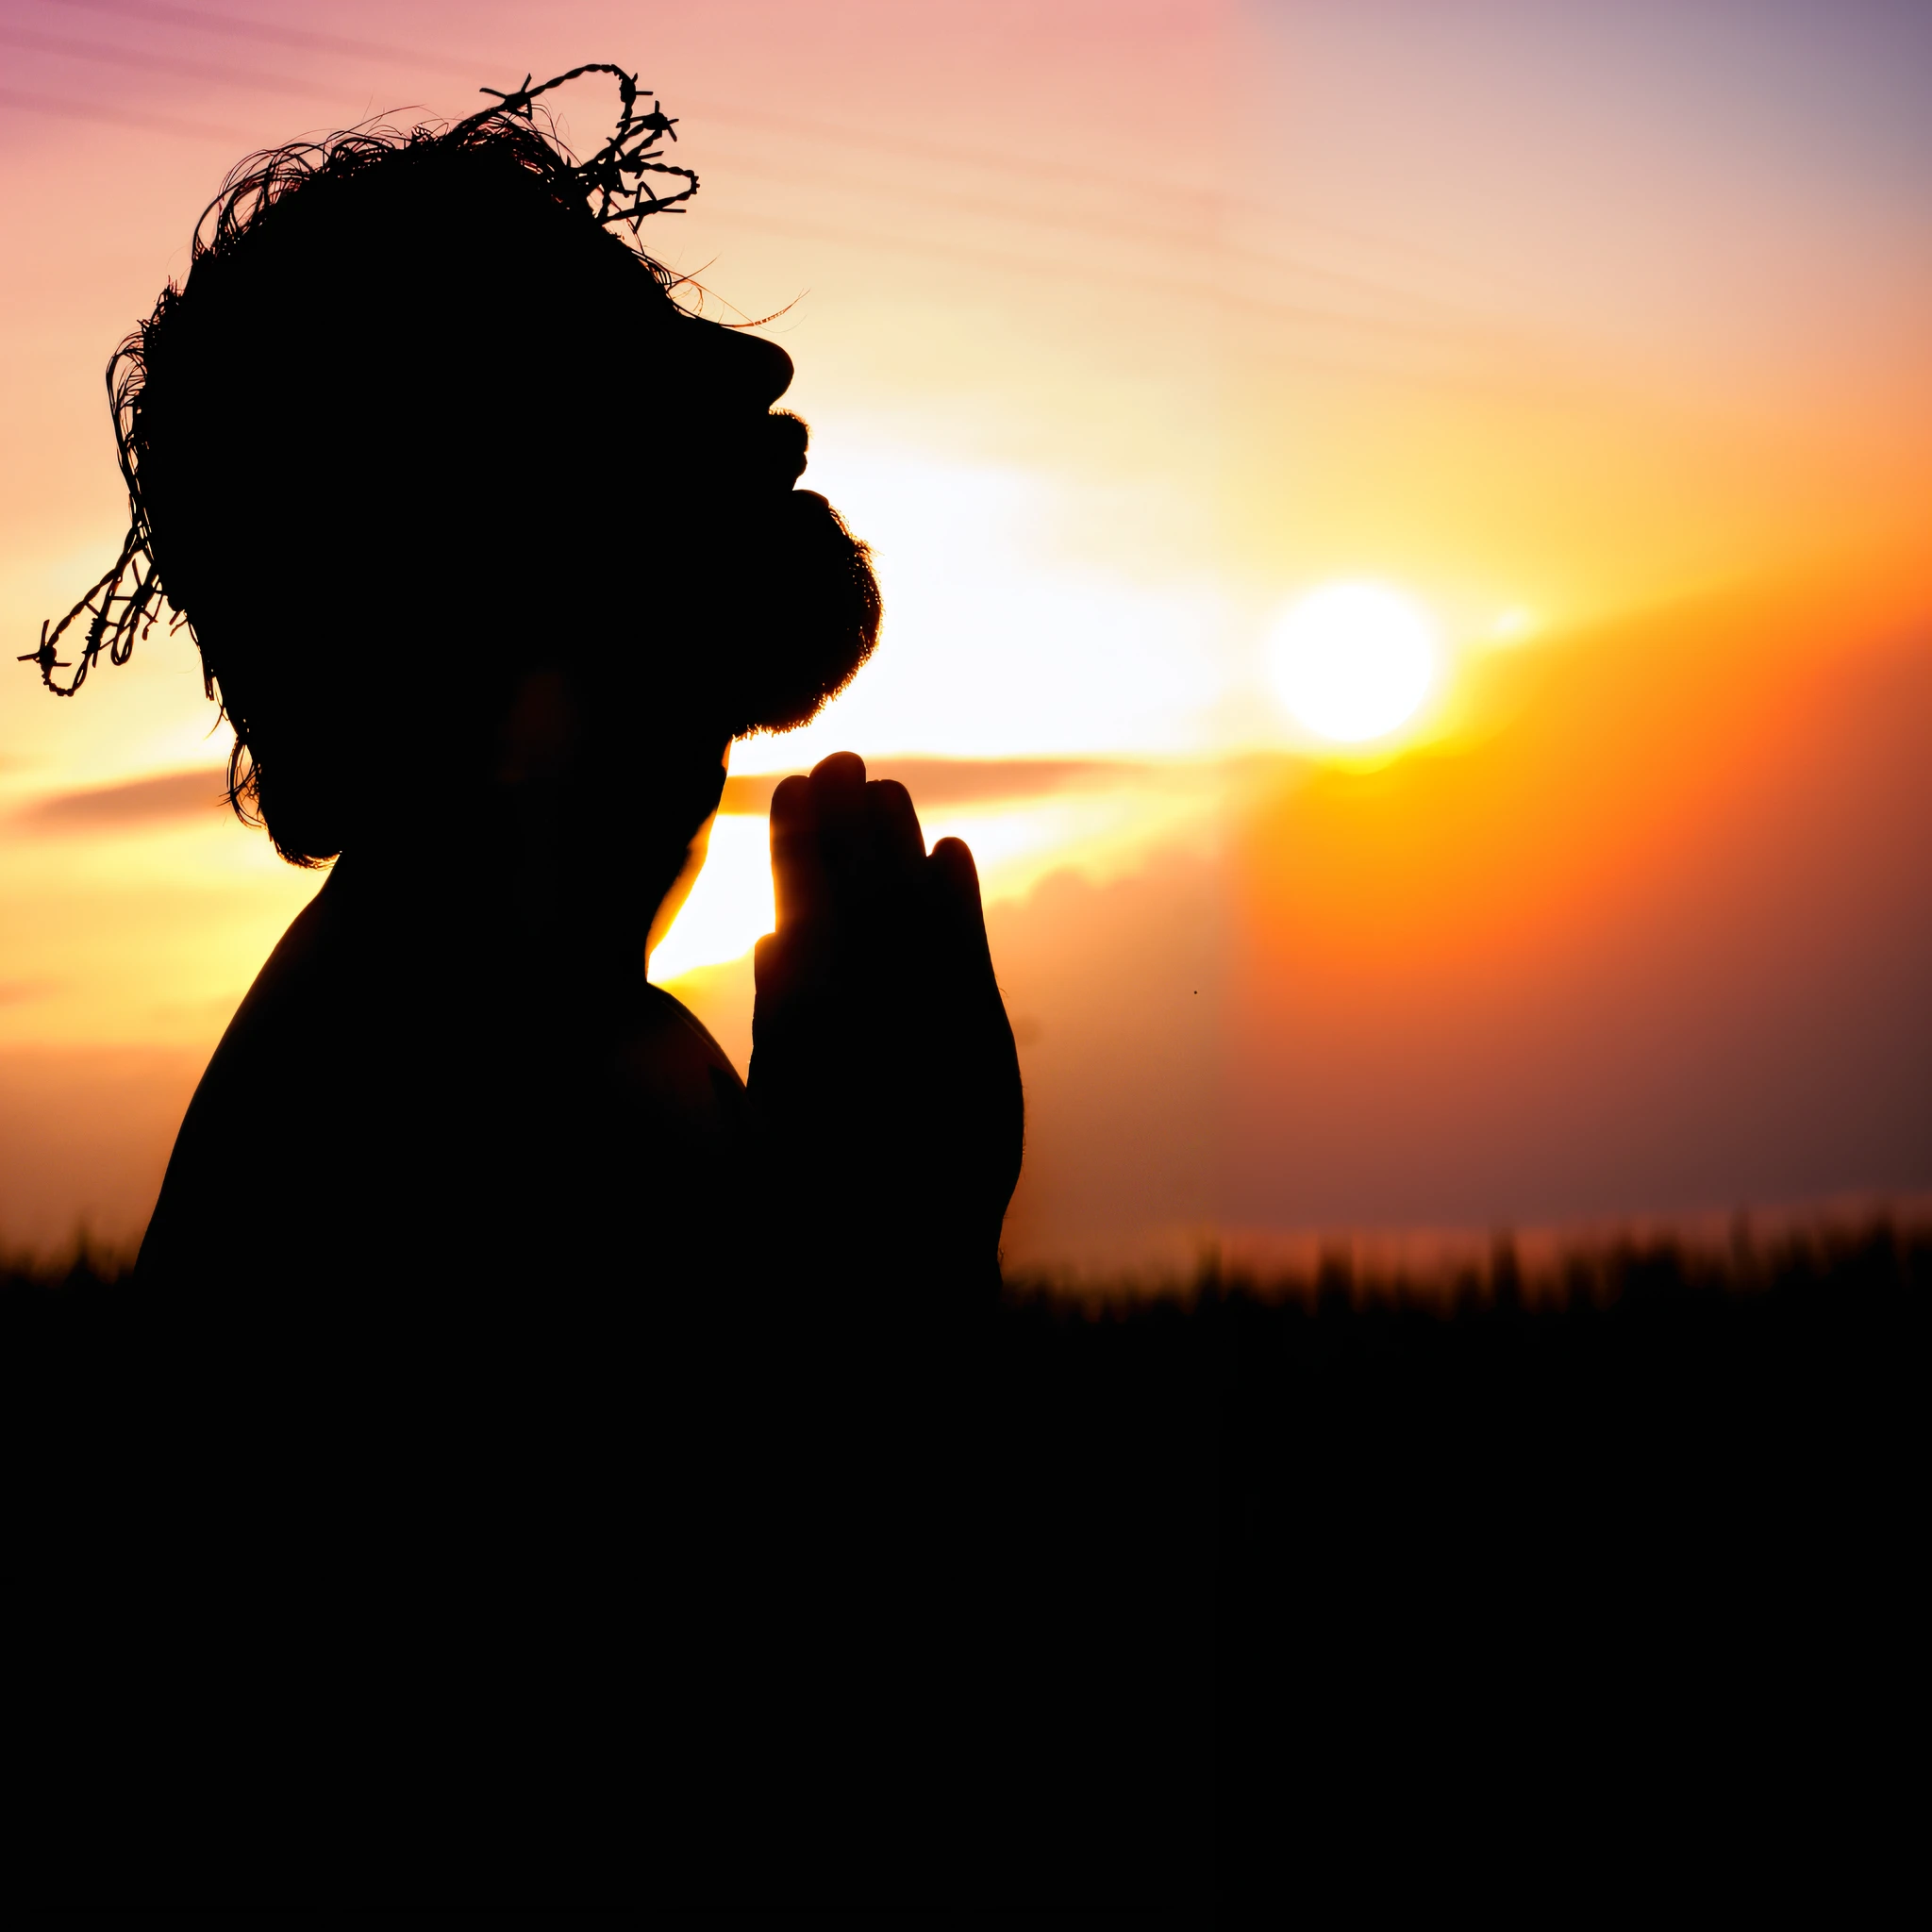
point(403, 409)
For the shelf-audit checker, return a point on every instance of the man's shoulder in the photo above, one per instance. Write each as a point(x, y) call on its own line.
point(294, 980)
point(670, 1020)
point(257, 1087)
point(670, 1067)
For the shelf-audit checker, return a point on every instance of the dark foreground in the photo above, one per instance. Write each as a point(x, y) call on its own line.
point(1135, 1610)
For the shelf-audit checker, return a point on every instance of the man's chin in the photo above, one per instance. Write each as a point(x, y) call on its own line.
point(809, 615)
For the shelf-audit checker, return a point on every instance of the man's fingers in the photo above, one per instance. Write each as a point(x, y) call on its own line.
point(896, 837)
point(839, 769)
point(837, 796)
point(837, 789)
point(798, 865)
point(958, 878)
point(843, 848)
point(955, 880)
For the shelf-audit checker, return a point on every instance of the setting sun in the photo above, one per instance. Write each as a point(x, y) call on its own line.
point(1352, 661)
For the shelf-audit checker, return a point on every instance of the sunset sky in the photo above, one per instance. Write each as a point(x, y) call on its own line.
point(1596, 339)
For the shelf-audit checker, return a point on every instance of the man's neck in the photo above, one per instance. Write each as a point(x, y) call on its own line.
point(552, 921)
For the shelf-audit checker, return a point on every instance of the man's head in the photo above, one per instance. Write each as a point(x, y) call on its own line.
point(417, 427)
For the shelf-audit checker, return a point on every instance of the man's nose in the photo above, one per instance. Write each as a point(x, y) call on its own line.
point(753, 369)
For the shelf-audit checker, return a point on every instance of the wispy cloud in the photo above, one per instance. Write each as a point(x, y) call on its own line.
point(931, 781)
point(956, 781)
point(143, 802)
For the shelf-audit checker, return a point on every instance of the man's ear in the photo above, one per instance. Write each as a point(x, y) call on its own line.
point(541, 729)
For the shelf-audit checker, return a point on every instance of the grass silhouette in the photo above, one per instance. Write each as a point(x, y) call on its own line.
point(1178, 1556)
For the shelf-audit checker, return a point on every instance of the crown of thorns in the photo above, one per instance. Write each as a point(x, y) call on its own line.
point(125, 604)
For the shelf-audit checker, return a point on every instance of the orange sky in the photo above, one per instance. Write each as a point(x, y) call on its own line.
point(1118, 326)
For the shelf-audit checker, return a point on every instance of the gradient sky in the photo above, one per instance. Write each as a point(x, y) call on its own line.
point(1604, 333)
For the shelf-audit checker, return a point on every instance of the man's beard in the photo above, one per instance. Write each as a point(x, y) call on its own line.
point(801, 611)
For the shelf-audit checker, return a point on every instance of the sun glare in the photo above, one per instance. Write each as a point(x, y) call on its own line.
point(1353, 662)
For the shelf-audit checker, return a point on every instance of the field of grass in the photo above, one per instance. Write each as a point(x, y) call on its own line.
point(1200, 1554)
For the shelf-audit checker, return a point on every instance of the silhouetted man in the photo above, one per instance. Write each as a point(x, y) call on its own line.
point(479, 1280)
point(490, 548)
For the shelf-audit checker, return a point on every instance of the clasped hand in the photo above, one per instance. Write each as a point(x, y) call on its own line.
point(883, 1070)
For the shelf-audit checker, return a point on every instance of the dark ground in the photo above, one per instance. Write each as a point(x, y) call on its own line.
point(1203, 1596)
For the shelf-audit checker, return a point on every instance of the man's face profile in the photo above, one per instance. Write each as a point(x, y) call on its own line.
point(415, 426)
point(490, 545)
